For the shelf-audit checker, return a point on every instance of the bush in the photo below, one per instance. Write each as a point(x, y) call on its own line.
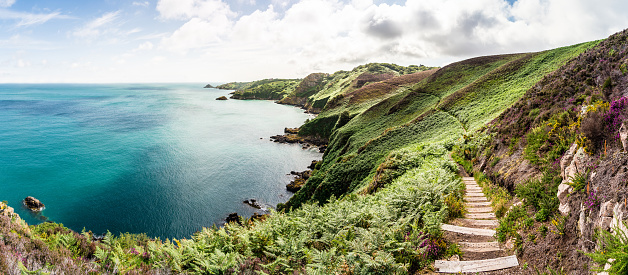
point(592, 128)
point(613, 246)
point(542, 215)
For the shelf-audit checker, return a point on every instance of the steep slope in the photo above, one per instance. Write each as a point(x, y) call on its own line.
point(560, 150)
point(268, 89)
point(452, 101)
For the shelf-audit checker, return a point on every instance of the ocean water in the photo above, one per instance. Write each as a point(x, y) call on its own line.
point(162, 159)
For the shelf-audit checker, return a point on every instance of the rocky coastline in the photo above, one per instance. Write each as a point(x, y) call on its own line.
point(291, 136)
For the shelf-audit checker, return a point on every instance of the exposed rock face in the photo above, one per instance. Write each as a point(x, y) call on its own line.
point(222, 98)
point(299, 181)
point(33, 204)
point(572, 163)
point(6, 210)
point(623, 135)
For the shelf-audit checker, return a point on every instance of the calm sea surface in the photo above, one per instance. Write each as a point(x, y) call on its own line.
point(164, 159)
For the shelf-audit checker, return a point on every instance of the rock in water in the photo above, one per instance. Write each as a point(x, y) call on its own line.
point(33, 204)
point(233, 217)
point(209, 86)
point(222, 98)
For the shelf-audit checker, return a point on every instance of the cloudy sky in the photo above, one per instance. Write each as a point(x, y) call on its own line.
point(219, 40)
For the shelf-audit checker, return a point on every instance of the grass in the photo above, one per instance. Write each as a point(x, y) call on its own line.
point(272, 89)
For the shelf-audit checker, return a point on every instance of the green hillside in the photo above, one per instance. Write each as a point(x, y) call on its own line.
point(269, 89)
point(375, 203)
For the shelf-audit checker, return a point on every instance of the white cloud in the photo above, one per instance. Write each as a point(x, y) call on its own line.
point(188, 9)
point(96, 27)
point(141, 4)
point(27, 19)
point(6, 3)
point(146, 46)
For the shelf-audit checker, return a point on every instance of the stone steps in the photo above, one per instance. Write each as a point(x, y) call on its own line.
point(479, 209)
point(479, 223)
point(479, 247)
point(468, 230)
point(475, 204)
point(476, 266)
point(475, 199)
point(479, 214)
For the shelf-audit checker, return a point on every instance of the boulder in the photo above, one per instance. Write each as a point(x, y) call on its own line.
point(33, 204)
point(623, 135)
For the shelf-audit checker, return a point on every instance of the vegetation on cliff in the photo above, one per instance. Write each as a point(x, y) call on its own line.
point(375, 203)
point(270, 89)
point(559, 150)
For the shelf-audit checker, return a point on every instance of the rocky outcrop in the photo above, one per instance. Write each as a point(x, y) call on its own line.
point(623, 135)
point(209, 86)
point(222, 98)
point(572, 163)
point(291, 136)
point(33, 204)
point(299, 181)
point(6, 210)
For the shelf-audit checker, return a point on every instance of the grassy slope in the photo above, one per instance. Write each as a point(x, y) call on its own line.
point(394, 142)
point(271, 89)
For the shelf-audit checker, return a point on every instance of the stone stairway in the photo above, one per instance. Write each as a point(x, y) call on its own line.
point(475, 236)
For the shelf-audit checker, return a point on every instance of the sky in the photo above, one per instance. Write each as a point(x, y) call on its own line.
point(112, 41)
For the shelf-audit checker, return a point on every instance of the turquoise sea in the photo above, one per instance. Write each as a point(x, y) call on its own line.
point(163, 159)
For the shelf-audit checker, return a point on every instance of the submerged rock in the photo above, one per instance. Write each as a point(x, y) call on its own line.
point(33, 204)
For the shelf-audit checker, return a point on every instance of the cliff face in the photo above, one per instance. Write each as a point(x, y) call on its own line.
point(309, 86)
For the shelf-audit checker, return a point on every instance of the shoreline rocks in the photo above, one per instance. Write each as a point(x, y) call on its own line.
point(222, 98)
point(233, 217)
point(209, 86)
point(33, 204)
point(253, 203)
point(299, 181)
point(291, 136)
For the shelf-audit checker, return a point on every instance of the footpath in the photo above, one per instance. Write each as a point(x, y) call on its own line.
point(475, 234)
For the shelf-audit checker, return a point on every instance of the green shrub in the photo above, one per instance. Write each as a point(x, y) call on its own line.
point(542, 215)
point(613, 246)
